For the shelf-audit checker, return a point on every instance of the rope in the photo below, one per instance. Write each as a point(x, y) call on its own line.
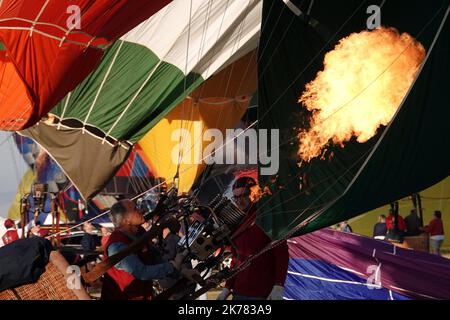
point(102, 83)
point(176, 178)
point(133, 99)
point(67, 197)
point(38, 17)
point(64, 110)
point(51, 36)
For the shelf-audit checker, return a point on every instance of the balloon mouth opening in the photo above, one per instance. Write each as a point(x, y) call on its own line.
point(72, 123)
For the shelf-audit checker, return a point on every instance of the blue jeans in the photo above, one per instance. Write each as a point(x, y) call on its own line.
point(436, 246)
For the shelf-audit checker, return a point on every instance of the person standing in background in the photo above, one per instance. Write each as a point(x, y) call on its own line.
point(412, 222)
point(436, 230)
point(379, 229)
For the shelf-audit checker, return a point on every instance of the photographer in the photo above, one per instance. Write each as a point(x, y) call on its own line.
point(131, 278)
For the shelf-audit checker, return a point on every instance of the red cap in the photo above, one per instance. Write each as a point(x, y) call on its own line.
point(9, 223)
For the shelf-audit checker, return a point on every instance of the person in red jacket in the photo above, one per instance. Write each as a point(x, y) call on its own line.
point(131, 278)
point(390, 222)
point(264, 278)
point(436, 230)
point(11, 234)
point(395, 227)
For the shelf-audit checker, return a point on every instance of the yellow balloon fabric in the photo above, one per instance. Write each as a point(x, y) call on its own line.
point(184, 129)
point(24, 187)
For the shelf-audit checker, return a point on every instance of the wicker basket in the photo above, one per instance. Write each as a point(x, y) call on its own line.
point(420, 242)
point(51, 285)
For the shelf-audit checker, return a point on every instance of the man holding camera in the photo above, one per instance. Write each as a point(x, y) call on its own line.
point(131, 278)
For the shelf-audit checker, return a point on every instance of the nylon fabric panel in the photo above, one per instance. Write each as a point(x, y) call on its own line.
point(304, 192)
point(51, 55)
point(71, 147)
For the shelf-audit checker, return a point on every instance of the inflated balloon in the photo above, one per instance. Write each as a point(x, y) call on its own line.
point(49, 46)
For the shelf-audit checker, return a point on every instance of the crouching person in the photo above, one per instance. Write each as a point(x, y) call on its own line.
point(131, 278)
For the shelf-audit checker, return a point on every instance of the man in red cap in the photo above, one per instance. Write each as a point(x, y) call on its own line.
point(11, 234)
point(264, 278)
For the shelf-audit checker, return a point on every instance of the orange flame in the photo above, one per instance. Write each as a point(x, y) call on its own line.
point(255, 193)
point(364, 80)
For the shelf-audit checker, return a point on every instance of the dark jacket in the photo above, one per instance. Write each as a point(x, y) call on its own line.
point(23, 261)
point(412, 222)
point(89, 242)
point(169, 250)
point(379, 229)
point(170, 247)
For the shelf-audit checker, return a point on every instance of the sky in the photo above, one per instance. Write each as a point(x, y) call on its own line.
point(12, 169)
